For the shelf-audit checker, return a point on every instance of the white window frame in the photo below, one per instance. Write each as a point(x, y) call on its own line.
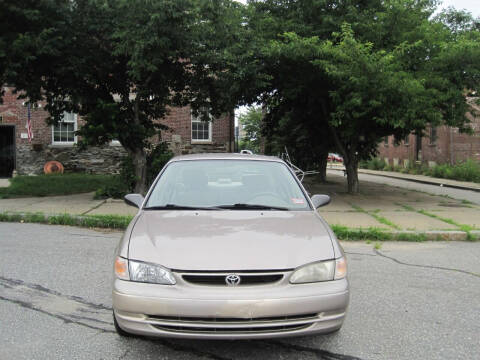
point(200, 141)
point(75, 122)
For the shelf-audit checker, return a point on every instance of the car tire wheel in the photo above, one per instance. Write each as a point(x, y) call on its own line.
point(119, 330)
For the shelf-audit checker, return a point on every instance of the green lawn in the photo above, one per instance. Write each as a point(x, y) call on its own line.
point(54, 184)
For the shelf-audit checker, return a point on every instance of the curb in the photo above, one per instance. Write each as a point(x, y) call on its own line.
point(421, 181)
point(120, 222)
point(115, 222)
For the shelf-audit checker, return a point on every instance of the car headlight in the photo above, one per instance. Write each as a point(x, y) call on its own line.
point(320, 271)
point(143, 272)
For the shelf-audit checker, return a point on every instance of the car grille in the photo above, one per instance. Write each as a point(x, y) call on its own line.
point(246, 279)
point(227, 325)
point(248, 330)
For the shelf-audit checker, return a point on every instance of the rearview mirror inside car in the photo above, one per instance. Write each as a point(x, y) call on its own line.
point(320, 200)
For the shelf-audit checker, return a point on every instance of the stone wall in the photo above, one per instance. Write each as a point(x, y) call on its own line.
point(96, 160)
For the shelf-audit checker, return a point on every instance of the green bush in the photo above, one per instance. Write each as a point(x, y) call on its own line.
point(373, 164)
point(114, 189)
point(125, 182)
point(464, 171)
point(54, 184)
point(156, 160)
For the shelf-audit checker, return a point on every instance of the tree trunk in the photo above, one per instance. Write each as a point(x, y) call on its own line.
point(352, 174)
point(350, 160)
point(322, 167)
point(139, 159)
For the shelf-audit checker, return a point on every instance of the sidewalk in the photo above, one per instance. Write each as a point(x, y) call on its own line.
point(464, 185)
point(395, 209)
point(78, 204)
point(378, 206)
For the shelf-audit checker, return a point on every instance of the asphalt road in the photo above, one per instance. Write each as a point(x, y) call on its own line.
point(460, 194)
point(409, 301)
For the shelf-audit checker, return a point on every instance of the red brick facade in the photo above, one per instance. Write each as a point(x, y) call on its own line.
point(447, 146)
point(179, 136)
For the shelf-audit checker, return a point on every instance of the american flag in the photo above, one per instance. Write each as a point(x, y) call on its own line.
point(29, 124)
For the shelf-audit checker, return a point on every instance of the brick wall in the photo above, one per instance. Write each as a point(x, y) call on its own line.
point(450, 146)
point(179, 135)
point(14, 112)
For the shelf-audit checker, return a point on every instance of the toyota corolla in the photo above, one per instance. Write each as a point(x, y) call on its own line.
point(228, 246)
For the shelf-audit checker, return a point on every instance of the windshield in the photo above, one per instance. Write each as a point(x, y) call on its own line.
point(228, 184)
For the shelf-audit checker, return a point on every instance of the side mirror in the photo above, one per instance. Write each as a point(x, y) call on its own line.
point(133, 200)
point(320, 200)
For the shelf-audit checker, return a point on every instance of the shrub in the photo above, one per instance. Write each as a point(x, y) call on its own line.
point(125, 182)
point(114, 189)
point(464, 171)
point(373, 164)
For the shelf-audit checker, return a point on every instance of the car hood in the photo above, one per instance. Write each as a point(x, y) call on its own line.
point(230, 240)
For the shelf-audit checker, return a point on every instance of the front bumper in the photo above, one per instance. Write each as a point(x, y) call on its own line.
point(230, 312)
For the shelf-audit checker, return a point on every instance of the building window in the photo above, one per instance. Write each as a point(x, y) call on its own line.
point(64, 130)
point(433, 135)
point(385, 141)
point(1, 119)
point(201, 129)
point(406, 140)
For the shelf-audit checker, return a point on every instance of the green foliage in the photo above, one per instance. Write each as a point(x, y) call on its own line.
point(343, 77)
point(156, 160)
point(116, 189)
point(251, 122)
point(121, 64)
point(91, 221)
point(468, 170)
point(125, 182)
point(373, 164)
point(372, 233)
point(54, 184)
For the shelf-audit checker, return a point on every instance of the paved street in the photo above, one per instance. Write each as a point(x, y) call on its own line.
point(409, 301)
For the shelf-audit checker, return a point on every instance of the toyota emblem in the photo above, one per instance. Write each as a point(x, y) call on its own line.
point(232, 280)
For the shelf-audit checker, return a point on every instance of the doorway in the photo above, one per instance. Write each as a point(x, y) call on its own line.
point(418, 148)
point(7, 150)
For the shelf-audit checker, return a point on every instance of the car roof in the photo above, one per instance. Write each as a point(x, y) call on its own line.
point(225, 156)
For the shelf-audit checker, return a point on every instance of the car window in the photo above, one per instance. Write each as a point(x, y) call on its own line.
point(210, 183)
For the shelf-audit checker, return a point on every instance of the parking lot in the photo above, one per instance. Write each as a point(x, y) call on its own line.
point(409, 301)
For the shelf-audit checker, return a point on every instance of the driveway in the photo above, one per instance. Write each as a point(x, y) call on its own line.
point(409, 301)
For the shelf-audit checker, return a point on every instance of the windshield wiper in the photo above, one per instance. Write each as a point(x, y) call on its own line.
point(180, 207)
point(252, 207)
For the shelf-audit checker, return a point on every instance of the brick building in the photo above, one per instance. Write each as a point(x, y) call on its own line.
point(186, 134)
point(441, 145)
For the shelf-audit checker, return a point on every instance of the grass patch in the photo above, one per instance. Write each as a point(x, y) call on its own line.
point(379, 218)
point(375, 234)
point(468, 170)
point(371, 233)
point(412, 237)
point(463, 227)
point(91, 221)
point(54, 184)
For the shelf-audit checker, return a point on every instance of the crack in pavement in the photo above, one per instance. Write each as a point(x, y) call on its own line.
point(95, 207)
point(98, 317)
point(426, 266)
point(323, 354)
point(72, 310)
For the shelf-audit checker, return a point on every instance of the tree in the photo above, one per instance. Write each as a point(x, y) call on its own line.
point(366, 78)
point(122, 63)
point(251, 123)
